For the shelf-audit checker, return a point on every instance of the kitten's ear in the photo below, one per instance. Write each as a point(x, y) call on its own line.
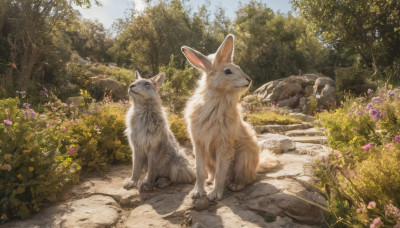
point(137, 75)
point(158, 80)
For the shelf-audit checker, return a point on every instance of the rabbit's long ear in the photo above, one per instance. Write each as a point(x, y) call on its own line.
point(197, 59)
point(225, 51)
point(137, 75)
point(158, 80)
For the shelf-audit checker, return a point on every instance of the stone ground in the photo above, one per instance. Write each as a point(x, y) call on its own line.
point(272, 201)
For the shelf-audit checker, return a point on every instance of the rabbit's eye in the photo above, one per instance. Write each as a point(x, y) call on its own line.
point(147, 84)
point(228, 71)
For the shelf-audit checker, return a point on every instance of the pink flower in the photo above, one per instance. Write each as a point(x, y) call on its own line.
point(9, 122)
point(47, 124)
point(337, 153)
point(376, 223)
point(369, 91)
point(388, 146)
point(26, 105)
point(371, 204)
point(71, 151)
point(36, 126)
point(63, 128)
point(72, 104)
point(397, 138)
point(367, 147)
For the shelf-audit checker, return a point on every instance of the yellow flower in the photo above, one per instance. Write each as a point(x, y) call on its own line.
point(19, 176)
point(27, 151)
point(7, 156)
point(5, 167)
point(31, 168)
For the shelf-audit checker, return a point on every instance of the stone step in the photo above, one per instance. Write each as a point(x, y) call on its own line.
point(281, 128)
point(304, 132)
point(310, 139)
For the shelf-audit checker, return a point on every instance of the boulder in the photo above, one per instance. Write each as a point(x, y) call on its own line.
point(107, 85)
point(294, 92)
point(276, 143)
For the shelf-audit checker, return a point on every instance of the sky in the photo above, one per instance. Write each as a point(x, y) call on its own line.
point(114, 9)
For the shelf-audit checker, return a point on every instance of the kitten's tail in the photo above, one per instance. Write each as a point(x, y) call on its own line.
point(180, 171)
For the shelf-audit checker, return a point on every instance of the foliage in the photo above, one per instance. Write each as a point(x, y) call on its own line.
point(271, 46)
point(353, 80)
point(42, 153)
point(178, 86)
point(369, 28)
point(98, 139)
point(34, 164)
point(364, 166)
point(178, 127)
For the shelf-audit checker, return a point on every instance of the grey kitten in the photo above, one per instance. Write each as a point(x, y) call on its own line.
point(152, 142)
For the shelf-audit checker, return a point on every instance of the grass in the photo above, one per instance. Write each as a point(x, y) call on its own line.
point(269, 117)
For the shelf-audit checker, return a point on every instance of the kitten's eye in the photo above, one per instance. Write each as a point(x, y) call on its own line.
point(147, 84)
point(228, 71)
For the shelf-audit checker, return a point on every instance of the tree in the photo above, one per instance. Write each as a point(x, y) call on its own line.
point(32, 32)
point(272, 46)
point(370, 28)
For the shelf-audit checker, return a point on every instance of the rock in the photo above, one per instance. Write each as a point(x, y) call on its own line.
point(276, 143)
point(294, 92)
point(76, 100)
point(107, 85)
point(297, 208)
point(201, 203)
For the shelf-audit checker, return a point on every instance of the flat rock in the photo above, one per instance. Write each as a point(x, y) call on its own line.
point(304, 132)
point(276, 143)
point(94, 211)
point(281, 128)
point(310, 139)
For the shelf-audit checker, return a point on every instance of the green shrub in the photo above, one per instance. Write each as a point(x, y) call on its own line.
point(354, 80)
point(178, 127)
point(98, 139)
point(363, 170)
point(269, 117)
point(178, 86)
point(33, 164)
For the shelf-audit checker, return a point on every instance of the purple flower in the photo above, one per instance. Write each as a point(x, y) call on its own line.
point(369, 91)
point(9, 122)
point(375, 99)
point(376, 223)
point(367, 147)
point(375, 113)
point(43, 91)
point(33, 114)
point(397, 138)
point(96, 127)
point(369, 106)
point(390, 93)
point(36, 126)
point(26, 114)
point(348, 115)
point(371, 204)
point(26, 105)
point(359, 113)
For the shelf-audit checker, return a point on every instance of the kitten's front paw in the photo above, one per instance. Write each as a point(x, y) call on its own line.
point(128, 184)
point(235, 187)
point(214, 195)
point(196, 193)
point(145, 186)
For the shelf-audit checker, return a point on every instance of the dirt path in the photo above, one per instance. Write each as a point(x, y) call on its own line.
point(270, 202)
